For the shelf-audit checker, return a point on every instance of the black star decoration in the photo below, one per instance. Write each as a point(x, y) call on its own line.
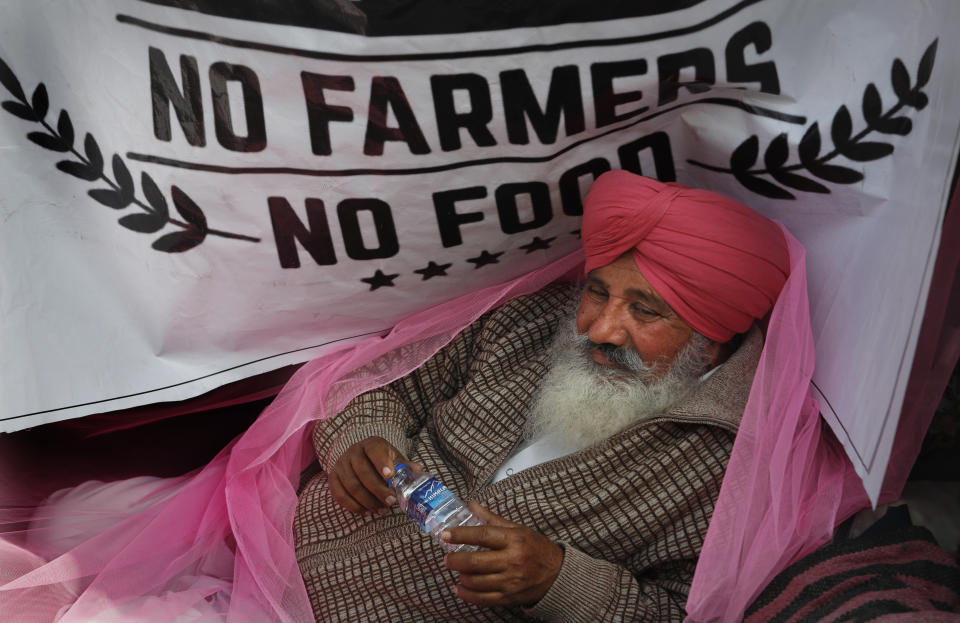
point(379, 280)
point(485, 258)
point(537, 244)
point(433, 270)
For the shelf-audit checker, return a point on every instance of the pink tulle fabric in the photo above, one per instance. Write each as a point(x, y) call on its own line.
point(217, 544)
point(788, 482)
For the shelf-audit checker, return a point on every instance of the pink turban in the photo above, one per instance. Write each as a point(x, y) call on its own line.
point(717, 263)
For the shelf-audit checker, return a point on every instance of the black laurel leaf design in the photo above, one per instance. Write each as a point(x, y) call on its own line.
point(809, 147)
point(774, 158)
point(189, 210)
point(120, 192)
point(40, 102)
point(48, 141)
point(9, 81)
point(79, 169)
point(918, 100)
point(92, 151)
point(894, 125)
point(155, 198)
point(846, 142)
point(20, 110)
point(109, 197)
point(157, 214)
point(872, 104)
point(835, 173)
point(841, 128)
point(121, 175)
point(867, 150)
point(777, 152)
point(179, 241)
point(925, 69)
point(65, 129)
point(762, 186)
point(900, 79)
point(143, 223)
point(745, 155)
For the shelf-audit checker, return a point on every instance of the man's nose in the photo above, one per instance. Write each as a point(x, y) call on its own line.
point(608, 327)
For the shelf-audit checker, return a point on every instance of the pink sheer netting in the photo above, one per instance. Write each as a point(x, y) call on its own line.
point(788, 481)
point(217, 544)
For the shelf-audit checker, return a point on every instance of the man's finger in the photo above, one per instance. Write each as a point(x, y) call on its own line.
point(367, 475)
point(382, 456)
point(490, 537)
point(356, 489)
point(342, 496)
point(489, 583)
point(476, 563)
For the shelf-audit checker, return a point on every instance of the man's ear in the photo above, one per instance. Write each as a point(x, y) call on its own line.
point(715, 350)
point(721, 351)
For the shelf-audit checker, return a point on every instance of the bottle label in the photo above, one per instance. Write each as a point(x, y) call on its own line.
point(425, 499)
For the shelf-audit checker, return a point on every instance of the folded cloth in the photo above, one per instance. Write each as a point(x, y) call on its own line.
point(898, 574)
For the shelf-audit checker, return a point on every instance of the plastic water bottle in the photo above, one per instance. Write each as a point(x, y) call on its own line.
point(432, 505)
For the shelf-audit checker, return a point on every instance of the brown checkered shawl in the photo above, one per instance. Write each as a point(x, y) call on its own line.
point(631, 511)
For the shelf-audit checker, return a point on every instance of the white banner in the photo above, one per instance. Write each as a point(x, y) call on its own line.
point(188, 199)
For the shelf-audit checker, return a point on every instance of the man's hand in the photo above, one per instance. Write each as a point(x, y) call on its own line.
point(357, 479)
point(518, 568)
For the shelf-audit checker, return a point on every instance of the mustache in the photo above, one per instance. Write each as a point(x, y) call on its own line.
point(623, 357)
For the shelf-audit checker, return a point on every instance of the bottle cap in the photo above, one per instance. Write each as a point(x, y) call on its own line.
point(395, 470)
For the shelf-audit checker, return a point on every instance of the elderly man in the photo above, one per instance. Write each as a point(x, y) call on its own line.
point(590, 428)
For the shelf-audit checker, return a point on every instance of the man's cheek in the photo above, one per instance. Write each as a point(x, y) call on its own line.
point(584, 318)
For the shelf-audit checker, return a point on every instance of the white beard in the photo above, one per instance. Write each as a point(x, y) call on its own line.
point(582, 402)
